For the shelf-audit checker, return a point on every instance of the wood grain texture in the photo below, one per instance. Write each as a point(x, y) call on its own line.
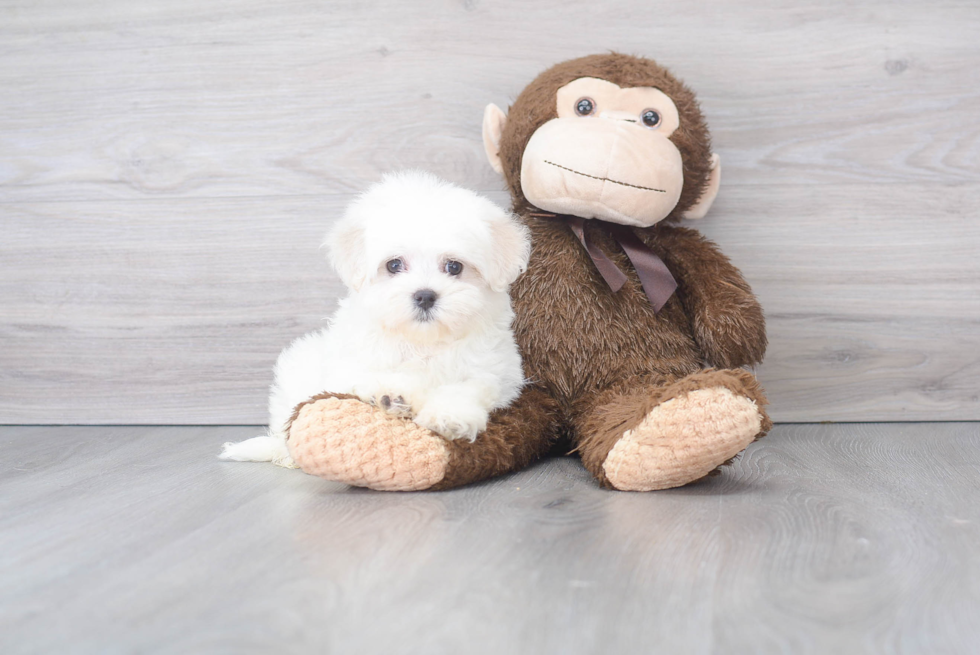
point(822, 538)
point(165, 318)
point(168, 167)
point(174, 97)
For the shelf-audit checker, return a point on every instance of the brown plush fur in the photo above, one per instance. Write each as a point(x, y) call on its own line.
point(577, 337)
point(515, 437)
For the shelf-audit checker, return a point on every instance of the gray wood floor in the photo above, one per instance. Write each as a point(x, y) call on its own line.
point(823, 538)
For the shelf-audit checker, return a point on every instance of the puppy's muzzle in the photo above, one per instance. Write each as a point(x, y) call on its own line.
point(425, 299)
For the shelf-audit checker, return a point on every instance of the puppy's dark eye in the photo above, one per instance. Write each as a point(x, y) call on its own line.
point(395, 266)
point(584, 106)
point(453, 267)
point(650, 117)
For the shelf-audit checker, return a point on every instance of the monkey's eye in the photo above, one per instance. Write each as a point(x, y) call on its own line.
point(650, 117)
point(454, 268)
point(395, 266)
point(584, 106)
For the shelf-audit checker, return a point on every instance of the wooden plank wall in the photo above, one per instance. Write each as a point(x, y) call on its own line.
point(167, 169)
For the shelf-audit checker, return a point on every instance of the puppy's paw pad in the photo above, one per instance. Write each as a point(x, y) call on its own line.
point(395, 405)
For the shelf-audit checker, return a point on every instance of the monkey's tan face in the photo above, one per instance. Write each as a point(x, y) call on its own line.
point(607, 155)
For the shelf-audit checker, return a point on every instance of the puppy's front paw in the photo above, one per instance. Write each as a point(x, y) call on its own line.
point(394, 405)
point(382, 394)
point(459, 422)
point(383, 398)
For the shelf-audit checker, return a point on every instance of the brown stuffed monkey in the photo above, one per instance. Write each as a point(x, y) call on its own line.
point(632, 330)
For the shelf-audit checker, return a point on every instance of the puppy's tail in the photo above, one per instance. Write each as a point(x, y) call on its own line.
point(270, 448)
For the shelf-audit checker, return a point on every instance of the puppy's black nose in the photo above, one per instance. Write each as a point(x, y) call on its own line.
point(425, 298)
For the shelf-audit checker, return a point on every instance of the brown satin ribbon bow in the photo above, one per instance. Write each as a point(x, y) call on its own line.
point(658, 284)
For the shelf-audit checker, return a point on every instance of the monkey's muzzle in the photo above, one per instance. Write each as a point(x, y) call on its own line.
point(597, 168)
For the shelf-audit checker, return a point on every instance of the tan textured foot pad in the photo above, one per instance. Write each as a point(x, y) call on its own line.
point(682, 440)
point(349, 441)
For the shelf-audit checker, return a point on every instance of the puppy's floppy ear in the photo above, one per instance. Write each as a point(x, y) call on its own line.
point(510, 250)
point(345, 243)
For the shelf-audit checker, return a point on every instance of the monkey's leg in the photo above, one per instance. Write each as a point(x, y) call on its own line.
point(338, 437)
point(645, 435)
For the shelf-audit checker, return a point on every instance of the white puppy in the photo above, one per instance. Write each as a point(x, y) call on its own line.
point(425, 329)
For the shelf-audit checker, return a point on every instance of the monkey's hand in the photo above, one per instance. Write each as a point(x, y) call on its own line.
point(729, 326)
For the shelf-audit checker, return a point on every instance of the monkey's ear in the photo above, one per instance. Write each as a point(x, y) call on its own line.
point(509, 253)
point(701, 207)
point(493, 126)
point(345, 243)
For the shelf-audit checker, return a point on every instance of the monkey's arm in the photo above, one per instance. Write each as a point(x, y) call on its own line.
point(728, 323)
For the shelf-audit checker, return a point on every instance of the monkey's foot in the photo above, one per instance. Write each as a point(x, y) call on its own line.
point(683, 439)
point(346, 440)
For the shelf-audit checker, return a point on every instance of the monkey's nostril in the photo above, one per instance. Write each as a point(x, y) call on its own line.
point(425, 298)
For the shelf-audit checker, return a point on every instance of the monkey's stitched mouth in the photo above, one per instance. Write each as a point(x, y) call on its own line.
point(604, 179)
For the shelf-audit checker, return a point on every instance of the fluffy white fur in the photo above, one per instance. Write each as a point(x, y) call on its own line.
point(446, 367)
